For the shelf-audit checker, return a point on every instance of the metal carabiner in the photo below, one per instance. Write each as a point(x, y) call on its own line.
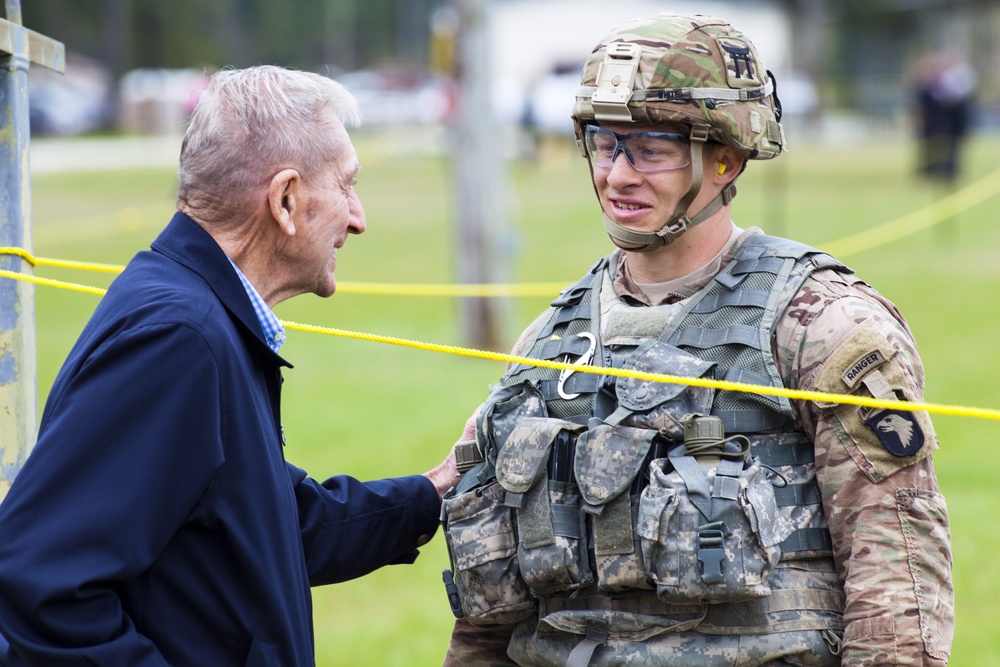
point(584, 358)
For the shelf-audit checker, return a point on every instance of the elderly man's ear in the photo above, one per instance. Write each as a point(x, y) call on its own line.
point(282, 199)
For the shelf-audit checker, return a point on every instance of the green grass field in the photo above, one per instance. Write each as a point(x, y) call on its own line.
point(375, 410)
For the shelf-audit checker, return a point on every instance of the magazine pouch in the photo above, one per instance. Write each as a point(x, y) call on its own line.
point(552, 549)
point(485, 586)
point(608, 458)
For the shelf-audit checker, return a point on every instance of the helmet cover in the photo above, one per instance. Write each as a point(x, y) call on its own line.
point(690, 69)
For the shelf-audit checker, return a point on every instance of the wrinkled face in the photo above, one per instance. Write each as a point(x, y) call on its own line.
point(645, 200)
point(330, 211)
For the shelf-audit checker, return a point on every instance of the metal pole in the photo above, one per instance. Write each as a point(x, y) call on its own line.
point(18, 375)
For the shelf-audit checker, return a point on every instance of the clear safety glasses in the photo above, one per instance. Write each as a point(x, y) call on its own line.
point(645, 151)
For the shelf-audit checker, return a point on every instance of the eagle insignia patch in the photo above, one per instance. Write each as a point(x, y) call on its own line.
point(897, 430)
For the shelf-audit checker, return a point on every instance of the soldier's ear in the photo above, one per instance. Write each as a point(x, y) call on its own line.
point(728, 165)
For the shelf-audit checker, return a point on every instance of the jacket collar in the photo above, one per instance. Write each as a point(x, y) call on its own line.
point(187, 242)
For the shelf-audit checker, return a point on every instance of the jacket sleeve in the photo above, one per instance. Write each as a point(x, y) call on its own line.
point(350, 528)
point(886, 514)
point(118, 465)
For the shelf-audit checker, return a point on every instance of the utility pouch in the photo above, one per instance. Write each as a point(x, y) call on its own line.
point(608, 458)
point(504, 409)
point(662, 406)
point(710, 534)
point(479, 532)
point(552, 551)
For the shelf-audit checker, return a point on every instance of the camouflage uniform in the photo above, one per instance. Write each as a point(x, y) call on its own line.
point(882, 594)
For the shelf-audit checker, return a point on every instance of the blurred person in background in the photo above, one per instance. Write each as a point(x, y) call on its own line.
point(606, 520)
point(156, 521)
point(944, 101)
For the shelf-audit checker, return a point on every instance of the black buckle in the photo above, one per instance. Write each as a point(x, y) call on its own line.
point(711, 555)
point(452, 590)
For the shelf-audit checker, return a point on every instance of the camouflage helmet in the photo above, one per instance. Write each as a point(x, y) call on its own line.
point(691, 69)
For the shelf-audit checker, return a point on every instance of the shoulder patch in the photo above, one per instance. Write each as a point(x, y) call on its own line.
point(858, 368)
point(853, 359)
point(880, 440)
point(898, 430)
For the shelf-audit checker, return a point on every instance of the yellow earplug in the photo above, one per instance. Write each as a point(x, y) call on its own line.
point(722, 168)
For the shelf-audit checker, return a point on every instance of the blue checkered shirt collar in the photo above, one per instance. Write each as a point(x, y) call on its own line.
point(274, 333)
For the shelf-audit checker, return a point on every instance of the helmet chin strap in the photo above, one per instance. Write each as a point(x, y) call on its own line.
point(680, 222)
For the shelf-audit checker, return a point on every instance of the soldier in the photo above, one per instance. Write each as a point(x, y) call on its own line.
point(613, 521)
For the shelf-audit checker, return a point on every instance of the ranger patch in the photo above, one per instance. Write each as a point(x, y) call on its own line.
point(897, 430)
point(861, 366)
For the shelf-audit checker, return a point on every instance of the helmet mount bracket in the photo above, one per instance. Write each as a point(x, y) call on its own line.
point(615, 82)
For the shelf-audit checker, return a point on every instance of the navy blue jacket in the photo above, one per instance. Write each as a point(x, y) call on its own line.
point(156, 521)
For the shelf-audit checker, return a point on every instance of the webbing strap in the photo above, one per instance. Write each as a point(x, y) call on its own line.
point(808, 539)
point(573, 293)
point(760, 265)
point(797, 495)
point(738, 298)
point(577, 383)
point(749, 421)
point(702, 338)
point(597, 634)
point(683, 94)
point(729, 614)
point(754, 613)
point(564, 314)
point(699, 136)
point(798, 453)
point(696, 482)
point(744, 376)
point(572, 345)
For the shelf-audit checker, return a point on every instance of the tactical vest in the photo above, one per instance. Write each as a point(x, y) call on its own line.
point(590, 508)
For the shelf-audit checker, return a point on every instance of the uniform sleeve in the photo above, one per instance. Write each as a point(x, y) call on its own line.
point(119, 464)
point(887, 517)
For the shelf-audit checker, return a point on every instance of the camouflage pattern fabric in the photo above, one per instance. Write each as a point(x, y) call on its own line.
point(804, 649)
point(482, 544)
point(681, 54)
point(672, 545)
point(886, 515)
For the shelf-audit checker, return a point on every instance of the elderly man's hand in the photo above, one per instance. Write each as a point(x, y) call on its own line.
point(444, 475)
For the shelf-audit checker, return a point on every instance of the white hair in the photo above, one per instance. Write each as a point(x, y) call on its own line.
point(250, 123)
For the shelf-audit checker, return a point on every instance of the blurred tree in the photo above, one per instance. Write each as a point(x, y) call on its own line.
point(345, 34)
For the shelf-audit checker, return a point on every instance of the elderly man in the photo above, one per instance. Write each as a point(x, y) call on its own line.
point(623, 522)
point(156, 521)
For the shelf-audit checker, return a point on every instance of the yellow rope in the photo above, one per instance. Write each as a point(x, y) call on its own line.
point(983, 413)
point(955, 410)
point(52, 283)
point(911, 223)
